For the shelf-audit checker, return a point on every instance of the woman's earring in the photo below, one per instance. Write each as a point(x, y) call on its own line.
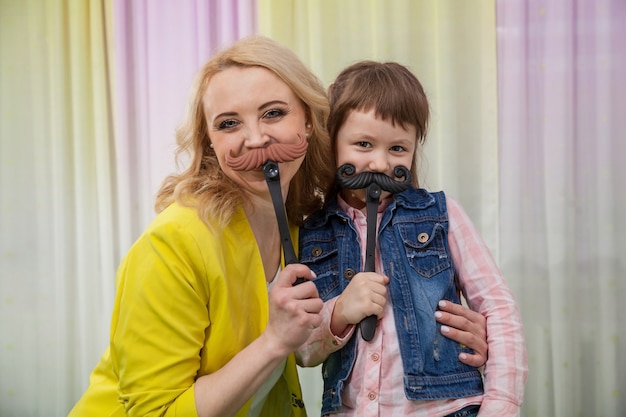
point(307, 134)
point(211, 145)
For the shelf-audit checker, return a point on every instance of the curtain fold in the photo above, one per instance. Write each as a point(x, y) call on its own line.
point(561, 137)
point(159, 47)
point(449, 45)
point(57, 221)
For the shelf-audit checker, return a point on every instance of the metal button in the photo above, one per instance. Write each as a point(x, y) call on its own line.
point(348, 273)
point(316, 251)
point(422, 237)
point(375, 357)
point(371, 396)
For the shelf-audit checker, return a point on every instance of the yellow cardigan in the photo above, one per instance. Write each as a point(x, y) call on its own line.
point(188, 299)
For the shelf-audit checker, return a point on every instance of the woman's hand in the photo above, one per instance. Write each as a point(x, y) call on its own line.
point(467, 327)
point(294, 310)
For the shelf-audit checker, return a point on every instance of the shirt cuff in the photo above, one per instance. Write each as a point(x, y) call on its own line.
point(342, 339)
point(498, 408)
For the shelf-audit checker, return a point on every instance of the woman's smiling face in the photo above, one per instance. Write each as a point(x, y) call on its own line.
point(250, 108)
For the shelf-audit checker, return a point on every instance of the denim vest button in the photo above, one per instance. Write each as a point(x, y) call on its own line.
point(348, 273)
point(422, 237)
point(316, 251)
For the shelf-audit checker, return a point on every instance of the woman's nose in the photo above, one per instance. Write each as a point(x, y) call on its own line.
point(256, 138)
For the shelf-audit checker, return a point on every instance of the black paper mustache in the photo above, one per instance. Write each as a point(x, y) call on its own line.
point(348, 179)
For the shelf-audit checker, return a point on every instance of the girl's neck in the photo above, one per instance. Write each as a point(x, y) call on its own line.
point(357, 201)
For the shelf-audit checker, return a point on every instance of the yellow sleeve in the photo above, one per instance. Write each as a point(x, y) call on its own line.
point(159, 323)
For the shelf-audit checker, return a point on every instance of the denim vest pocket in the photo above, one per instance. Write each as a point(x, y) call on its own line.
point(323, 259)
point(425, 248)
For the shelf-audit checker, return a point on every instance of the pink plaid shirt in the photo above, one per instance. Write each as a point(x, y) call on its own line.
point(376, 386)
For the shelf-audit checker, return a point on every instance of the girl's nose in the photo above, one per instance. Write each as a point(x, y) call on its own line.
point(378, 164)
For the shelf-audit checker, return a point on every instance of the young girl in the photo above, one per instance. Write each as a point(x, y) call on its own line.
point(427, 251)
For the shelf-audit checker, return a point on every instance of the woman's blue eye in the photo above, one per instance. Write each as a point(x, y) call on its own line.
point(271, 114)
point(227, 124)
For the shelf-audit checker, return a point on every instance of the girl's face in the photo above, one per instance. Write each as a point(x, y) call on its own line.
point(248, 108)
point(372, 144)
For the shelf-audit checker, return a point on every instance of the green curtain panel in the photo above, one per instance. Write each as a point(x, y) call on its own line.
point(57, 181)
point(449, 45)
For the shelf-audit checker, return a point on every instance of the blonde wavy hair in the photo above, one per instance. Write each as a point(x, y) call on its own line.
point(203, 184)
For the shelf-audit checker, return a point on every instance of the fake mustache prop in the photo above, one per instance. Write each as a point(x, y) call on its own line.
point(277, 152)
point(268, 158)
point(373, 182)
point(349, 180)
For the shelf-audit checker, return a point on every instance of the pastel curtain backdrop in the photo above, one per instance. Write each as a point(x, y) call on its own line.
point(57, 178)
point(449, 45)
point(562, 141)
point(527, 132)
point(159, 46)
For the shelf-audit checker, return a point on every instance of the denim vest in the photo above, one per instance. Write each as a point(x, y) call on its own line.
point(413, 245)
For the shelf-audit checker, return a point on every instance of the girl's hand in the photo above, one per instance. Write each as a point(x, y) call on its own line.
point(366, 295)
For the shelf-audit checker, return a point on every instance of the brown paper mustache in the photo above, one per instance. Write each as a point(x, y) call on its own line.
point(277, 152)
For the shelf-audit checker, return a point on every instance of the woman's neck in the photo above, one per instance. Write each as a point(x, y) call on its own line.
point(262, 220)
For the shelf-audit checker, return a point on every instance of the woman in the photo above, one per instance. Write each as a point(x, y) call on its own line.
point(194, 331)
